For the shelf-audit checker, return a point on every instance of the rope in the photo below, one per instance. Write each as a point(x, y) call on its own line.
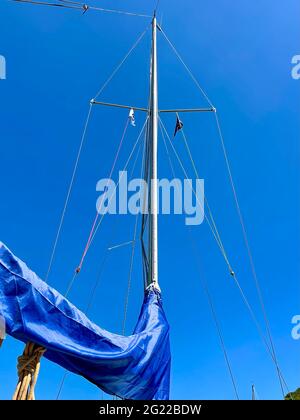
point(95, 228)
point(28, 370)
point(216, 321)
point(121, 12)
point(61, 384)
point(88, 307)
point(146, 211)
point(27, 380)
point(82, 6)
point(219, 243)
point(209, 298)
point(80, 149)
point(169, 156)
point(77, 271)
point(21, 385)
point(252, 314)
point(249, 252)
point(130, 275)
point(187, 69)
point(120, 179)
point(93, 292)
point(40, 3)
point(62, 218)
point(132, 251)
point(117, 68)
point(205, 198)
point(97, 213)
point(156, 6)
point(258, 327)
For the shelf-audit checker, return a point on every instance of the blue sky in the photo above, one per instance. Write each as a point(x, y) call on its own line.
point(241, 52)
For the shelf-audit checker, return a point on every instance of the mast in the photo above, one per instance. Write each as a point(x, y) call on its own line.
point(153, 239)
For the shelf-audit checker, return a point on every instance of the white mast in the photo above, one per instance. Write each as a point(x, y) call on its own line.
point(153, 249)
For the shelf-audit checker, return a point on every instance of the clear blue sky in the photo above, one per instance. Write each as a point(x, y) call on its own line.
point(241, 53)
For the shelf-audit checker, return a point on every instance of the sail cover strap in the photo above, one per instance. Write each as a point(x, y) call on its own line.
point(132, 367)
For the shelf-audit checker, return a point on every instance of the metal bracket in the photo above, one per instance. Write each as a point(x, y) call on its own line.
point(136, 108)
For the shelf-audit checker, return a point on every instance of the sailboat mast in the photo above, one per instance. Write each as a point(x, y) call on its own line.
point(153, 167)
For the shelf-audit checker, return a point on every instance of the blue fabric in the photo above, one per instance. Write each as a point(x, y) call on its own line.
point(133, 367)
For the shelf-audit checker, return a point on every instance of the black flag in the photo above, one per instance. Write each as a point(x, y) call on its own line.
point(179, 125)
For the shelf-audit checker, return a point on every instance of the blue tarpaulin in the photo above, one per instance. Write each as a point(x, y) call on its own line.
point(131, 367)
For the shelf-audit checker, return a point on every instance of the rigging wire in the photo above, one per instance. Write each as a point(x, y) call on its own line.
point(109, 177)
point(40, 3)
point(96, 285)
point(169, 156)
point(208, 295)
point(259, 330)
point(117, 68)
point(197, 176)
point(130, 275)
point(156, 6)
point(133, 247)
point(219, 243)
point(70, 188)
point(88, 307)
point(67, 4)
point(122, 12)
point(272, 349)
point(127, 121)
point(216, 321)
point(71, 282)
point(187, 68)
point(249, 252)
point(91, 299)
point(54, 248)
point(248, 306)
point(120, 179)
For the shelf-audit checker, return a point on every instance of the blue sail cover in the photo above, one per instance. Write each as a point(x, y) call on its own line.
point(133, 367)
